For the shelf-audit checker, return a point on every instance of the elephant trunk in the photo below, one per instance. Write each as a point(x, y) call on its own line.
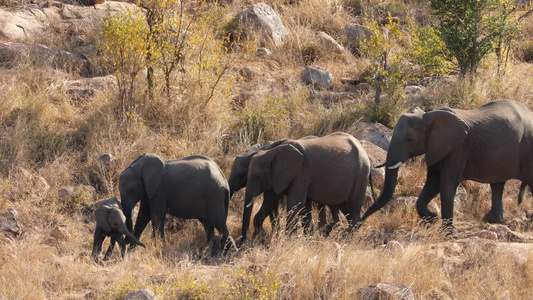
point(247, 213)
point(391, 179)
point(130, 236)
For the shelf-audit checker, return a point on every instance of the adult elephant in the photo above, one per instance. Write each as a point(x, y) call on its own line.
point(193, 187)
point(239, 177)
point(333, 170)
point(490, 144)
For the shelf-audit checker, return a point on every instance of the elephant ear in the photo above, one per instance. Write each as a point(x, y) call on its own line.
point(446, 131)
point(152, 173)
point(286, 163)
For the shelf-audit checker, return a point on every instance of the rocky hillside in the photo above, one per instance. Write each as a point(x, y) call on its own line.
point(85, 89)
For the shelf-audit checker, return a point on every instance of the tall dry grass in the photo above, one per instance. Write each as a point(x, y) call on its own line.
point(59, 139)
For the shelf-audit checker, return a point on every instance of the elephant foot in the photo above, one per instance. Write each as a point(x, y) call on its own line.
point(448, 229)
point(491, 217)
point(240, 241)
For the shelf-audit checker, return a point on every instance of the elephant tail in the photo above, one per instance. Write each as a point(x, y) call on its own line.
point(226, 201)
point(372, 187)
point(522, 192)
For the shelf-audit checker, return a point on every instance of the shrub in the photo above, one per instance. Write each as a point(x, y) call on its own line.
point(247, 285)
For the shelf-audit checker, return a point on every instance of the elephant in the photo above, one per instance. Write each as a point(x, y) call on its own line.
point(238, 180)
point(193, 187)
point(489, 144)
point(332, 170)
point(111, 222)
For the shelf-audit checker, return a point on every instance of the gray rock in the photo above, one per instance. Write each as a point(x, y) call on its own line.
point(385, 291)
point(501, 230)
point(8, 221)
point(262, 52)
point(318, 77)
point(375, 133)
point(487, 234)
point(106, 160)
point(411, 90)
point(141, 295)
point(355, 34)
point(88, 87)
point(18, 25)
point(13, 54)
point(262, 17)
point(330, 43)
point(394, 248)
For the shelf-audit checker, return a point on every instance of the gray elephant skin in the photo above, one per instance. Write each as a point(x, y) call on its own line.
point(333, 170)
point(490, 144)
point(193, 187)
point(111, 222)
point(239, 177)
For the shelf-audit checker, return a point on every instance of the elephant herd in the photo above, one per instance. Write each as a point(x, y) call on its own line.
point(490, 144)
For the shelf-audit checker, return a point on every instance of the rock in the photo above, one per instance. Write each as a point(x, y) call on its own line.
point(375, 153)
point(8, 221)
point(355, 34)
point(317, 76)
point(385, 291)
point(31, 22)
point(60, 233)
point(22, 174)
point(59, 59)
point(18, 25)
point(13, 54)
point(41, 184)
point(453, 249)
point(394, 248)
point(516, 237)
point(330, 43)
point(413, 90)
point(501, 230)
point(66, 194)
point(375, 133)
point(141, 295)
point(262, 17)
point(433, 207)
point(106, 160)
point(364, 88)
point(88, 87)
point(249, 72)
point(460, 195)
point(262, 52)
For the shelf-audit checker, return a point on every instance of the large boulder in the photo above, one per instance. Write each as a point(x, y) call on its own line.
point(12, 54)
point(8, 221)
point(317, 77)
point(330, 43)
point(355, 34)
point(262, 17)
point(31, 23)
point(375, 133)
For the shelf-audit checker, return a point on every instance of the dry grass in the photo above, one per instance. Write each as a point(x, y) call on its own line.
point(59, 139)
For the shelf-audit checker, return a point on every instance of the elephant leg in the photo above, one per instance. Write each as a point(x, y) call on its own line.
point(142, 220)
point(158, 223)
point(110, 248)
point(226, 241)
point(322, 216)
point(296, 201)
point(268, 208)
point(121, 244)
point(448, 189)
point(307, 217)
point(495, 215)
point(355, 202)
point(429, 191)
point(97, 243)
point(210, 235)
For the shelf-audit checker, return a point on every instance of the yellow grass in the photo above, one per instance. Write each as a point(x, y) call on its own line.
point(51, 136)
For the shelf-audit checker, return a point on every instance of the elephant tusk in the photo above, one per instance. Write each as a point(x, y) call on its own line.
point(251, 203)
point(395, 166)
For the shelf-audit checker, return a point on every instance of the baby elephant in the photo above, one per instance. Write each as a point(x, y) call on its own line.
point(110, 221)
